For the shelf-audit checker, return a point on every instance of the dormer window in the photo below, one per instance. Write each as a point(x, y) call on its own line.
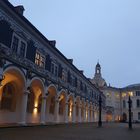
point(39, 59)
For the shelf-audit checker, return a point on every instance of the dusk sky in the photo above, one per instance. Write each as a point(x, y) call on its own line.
point(92, 30)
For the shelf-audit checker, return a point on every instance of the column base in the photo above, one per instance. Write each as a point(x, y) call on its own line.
point(22, 123)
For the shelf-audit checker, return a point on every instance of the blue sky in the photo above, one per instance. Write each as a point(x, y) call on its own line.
point(88, 30)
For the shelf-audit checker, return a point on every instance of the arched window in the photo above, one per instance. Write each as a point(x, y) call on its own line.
point(8, 101)
point(52, 105)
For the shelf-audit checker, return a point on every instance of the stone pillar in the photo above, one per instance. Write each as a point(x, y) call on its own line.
point(79, 115)
point(88, 113)
point(91, 114)
point(56, 110)
point(24, 108)
point(84, 114)
point(66, 112)
point(74, 113)
point(43, 109)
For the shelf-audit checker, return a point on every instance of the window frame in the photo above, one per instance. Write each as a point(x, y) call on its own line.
point(40, 62)
point(20, 40)
point(54, 67)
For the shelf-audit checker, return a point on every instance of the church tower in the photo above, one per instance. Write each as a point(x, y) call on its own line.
point(98, 70)
point(97, 80)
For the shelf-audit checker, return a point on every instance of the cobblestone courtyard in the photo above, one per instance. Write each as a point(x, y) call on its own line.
point(110, 131)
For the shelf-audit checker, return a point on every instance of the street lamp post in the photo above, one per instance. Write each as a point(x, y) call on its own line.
point(100, 112)
point(129, 110)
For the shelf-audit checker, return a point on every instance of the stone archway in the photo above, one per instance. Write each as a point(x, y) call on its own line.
point(34, 100)
point(78, 110)
point(51, 103)
point(70, 108)
point(62, 106)
point(124, 117)
point(109, 116)
point(11, 95)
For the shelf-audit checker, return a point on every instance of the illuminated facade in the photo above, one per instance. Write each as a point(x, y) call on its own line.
point(38, 84)
point(117, 99)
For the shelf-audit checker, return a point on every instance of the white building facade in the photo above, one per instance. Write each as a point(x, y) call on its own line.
point(117, 99)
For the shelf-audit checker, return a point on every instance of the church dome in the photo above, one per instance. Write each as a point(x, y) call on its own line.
point(97, 79)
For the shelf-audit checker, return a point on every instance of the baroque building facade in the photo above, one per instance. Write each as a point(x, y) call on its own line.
point(117, 99)
point(38, 84)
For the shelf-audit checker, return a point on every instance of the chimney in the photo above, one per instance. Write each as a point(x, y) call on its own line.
point(53, 43)
point(70, 60)
point(81, 71)
point(20, 9)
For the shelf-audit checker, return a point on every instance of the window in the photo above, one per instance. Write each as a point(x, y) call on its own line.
point(138, 115)
point(39, 60)
point(130, 94)
point(137, 93)
point(64, 75)
point(138, 103)
point(18, 45)
point(15, 44)
point(54, 69)
point(22, 49)
point(123, 95)
point(108, 95)
point(124, 104)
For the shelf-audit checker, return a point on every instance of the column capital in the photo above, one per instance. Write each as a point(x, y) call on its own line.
point(26, 92)
point(57, 100)
point(67, 103)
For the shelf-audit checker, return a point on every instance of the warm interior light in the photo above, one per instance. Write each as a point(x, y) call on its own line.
point(70, 110)
point(130, 94)
point(86, 114)
point(35, 110)
point(123, 94)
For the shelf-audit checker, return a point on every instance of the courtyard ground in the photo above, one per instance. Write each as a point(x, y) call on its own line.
point(84, 131)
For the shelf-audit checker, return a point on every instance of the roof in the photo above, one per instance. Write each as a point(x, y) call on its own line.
point(133, 85)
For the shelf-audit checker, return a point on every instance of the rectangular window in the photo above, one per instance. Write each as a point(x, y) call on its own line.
point(138, 103)
point(138, 115)
point(124, 104)
point(39, 60)
point(137, 93)
point(64, 77)
point(15, 44)
point(54, 69)
point(22, 49)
